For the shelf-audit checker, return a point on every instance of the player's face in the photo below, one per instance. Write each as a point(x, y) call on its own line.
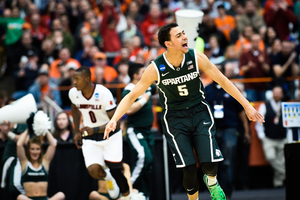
point(34, 151)
point(178, 40)
point(80, 81)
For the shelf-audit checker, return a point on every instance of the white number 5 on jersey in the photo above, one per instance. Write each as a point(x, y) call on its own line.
point(183, 91)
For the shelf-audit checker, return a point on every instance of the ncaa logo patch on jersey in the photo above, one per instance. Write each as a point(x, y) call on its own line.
point(162, 67)
point(97, 96)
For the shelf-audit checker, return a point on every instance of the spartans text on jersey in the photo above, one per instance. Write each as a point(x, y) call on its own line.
point(180, 79)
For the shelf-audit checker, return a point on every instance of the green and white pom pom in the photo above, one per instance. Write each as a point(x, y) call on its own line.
point(41, 123)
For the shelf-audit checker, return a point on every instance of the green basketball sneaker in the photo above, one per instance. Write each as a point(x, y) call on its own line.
point(215, 190)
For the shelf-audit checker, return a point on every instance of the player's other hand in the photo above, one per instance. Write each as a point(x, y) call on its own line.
point(110, 126)
point(254, 115)
point(78, 140)
point(87, 131)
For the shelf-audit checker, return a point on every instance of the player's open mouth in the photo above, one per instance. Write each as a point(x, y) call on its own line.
point(185, 45)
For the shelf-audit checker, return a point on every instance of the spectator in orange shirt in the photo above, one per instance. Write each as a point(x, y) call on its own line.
point(109, 73)
point(64, 56)
point(243, 44)
point(224, 22)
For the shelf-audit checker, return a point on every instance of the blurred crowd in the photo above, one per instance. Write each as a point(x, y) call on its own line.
point(42, 42)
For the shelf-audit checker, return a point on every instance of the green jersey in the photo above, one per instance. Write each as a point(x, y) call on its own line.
point(32, 174)
point(143, 118)
point(179, 87)
point(13, 29)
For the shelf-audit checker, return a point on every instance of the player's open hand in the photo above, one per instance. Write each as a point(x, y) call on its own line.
point(110, 126)
point(78, 140)
point(254, 115)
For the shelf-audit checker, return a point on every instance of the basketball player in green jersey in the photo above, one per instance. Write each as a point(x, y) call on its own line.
point(139, 135)
point(187, 120)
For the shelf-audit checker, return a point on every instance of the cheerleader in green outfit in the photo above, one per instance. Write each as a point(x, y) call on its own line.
point(35, 164)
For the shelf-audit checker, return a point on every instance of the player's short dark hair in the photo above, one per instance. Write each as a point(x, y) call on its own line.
point(134, 68)
point(164, 33)
point(85, 71)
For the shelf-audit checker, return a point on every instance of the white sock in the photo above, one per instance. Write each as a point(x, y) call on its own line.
point(211, 180)
point(108, 176)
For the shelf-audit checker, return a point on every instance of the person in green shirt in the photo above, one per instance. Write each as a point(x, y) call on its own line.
point(13, 27)
point(139, 135)
point(11, 168)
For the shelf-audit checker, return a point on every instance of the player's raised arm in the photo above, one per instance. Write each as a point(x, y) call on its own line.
point(211, 70)
point(149, 76)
